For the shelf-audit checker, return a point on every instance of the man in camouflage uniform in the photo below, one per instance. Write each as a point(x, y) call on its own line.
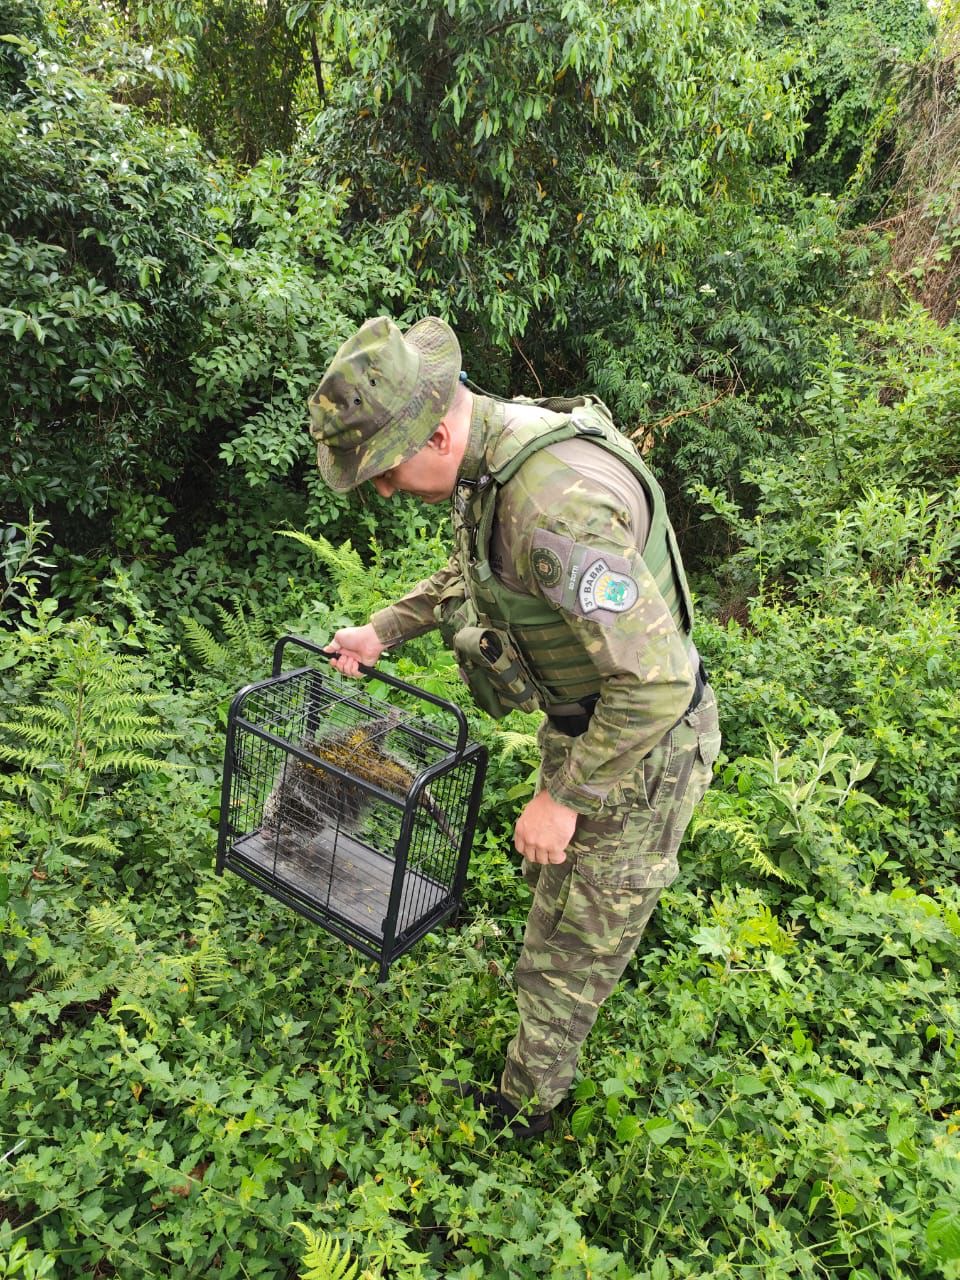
point(565, 592)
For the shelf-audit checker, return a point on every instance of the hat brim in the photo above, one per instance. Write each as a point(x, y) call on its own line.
point(408, 432)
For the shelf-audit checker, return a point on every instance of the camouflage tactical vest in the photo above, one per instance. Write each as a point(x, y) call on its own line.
point(514, 650)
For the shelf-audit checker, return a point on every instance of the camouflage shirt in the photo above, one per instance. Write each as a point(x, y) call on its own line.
point(553, 506)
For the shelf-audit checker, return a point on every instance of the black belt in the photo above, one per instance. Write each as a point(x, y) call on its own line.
point(574, 725)
point(700, 683)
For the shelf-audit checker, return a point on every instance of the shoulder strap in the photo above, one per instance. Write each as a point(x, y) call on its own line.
point(586, 418)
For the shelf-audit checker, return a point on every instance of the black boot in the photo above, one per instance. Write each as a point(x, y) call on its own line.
point(517, 1122)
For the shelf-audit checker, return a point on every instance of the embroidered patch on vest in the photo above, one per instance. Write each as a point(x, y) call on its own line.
point(547, 566)
point(602, 589)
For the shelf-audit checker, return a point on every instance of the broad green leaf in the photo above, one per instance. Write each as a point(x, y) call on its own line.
point(581, 1121)
point(627, 1128)
point(943, 1234)
point(660, 1130)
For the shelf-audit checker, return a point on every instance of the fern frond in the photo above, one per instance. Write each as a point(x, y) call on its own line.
point(144, 1014)
point(42, 720)
point(109, 919)
point(34, 759)
point(245, 633)
point(211, 965)
point(205, 969)
point(86, 725)
point(90, 717)
point(248, 636)
point(129, 725)
point(343, 563)
point(133, 762)
point(201, 643)
point(744, 839)
point(93, 840)
point(512, 742)
point(325, 1258)
point(82, 988)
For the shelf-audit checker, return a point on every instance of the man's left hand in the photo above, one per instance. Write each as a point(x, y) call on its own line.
point(544, 829)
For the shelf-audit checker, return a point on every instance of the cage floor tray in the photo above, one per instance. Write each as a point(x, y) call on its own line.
point(335, 873)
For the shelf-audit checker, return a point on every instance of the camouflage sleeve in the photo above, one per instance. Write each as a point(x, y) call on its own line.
point(413, 615)
point(582, 559)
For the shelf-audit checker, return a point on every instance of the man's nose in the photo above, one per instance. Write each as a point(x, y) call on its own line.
point(383, 486)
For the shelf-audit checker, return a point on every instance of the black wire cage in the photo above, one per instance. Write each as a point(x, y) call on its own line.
point(356, 812)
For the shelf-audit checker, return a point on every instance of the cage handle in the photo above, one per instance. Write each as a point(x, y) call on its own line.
point(444, 705)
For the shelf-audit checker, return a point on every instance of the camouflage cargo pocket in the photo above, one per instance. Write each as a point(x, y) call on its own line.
point(584, 919)
point(634, 844)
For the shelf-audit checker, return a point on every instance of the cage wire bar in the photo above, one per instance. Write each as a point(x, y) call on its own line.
point(357, 812)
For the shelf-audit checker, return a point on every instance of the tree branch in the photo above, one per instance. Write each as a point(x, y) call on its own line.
point(317, 68)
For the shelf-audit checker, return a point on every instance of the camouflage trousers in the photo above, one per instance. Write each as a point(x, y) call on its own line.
point(589, 912)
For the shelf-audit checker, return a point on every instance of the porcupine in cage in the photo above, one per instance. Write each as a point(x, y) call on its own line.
point(318, 799)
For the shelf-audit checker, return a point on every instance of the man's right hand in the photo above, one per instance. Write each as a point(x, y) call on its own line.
point(355, 645)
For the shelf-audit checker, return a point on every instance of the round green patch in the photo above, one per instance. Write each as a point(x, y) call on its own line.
point(547, 566)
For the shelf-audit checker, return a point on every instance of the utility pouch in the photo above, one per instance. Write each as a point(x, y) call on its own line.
point(487, 657)
point(488, 660)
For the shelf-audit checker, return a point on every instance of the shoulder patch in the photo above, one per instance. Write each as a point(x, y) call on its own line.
point(547, 566)
point(600, 587)
point(582, 580)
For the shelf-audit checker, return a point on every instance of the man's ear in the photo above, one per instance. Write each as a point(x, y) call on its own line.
point(440, 440)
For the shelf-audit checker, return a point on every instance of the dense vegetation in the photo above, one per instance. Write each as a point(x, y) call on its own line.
point(741, 225)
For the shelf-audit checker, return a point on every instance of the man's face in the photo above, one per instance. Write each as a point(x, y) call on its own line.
point(430, 475)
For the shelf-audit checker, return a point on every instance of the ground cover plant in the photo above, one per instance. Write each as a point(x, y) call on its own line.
point(195, 1080)
point(191, 1070)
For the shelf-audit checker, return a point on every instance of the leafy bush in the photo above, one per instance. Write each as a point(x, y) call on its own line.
point(554, 145)
point(163, 323)
point(196, 1080)
point(851, 62)
point(102, 223)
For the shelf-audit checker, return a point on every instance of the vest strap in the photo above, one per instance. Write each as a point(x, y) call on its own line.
point(532, 663)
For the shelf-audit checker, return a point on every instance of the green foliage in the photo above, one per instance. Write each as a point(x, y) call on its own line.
point(100, 219)
point(869, 489)
point(712, 379)
point(83, 728)
point(324, 1259)
point(756, 1106)
point(190, 1072)
point(752, 1081)
point(16, 1259)
point(926, 198)
point(851, 59)
point(545, 170)
point(285, 289)
point(244, 73)
point(855, 554)
point(161, 322)
point(231, 70)
point(891, 683)
point(786, 815)
point(20, 563)
point(20, 21)
point(246, 641)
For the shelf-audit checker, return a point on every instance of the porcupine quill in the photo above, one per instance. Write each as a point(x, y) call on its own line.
point(318, 796)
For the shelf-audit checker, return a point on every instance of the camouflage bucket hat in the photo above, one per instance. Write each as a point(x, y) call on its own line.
point(381, 398)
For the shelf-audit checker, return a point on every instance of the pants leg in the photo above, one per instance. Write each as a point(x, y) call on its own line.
point(589, 912)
